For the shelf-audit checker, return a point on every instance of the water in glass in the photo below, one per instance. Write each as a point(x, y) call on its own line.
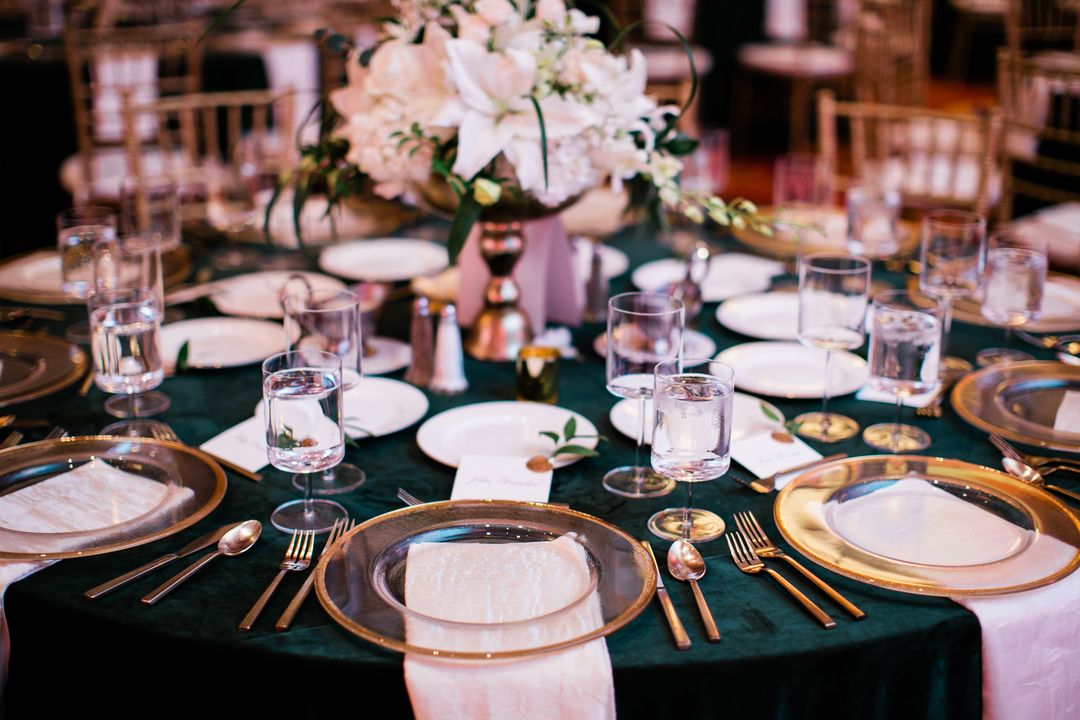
point(76, 246)
point(304, 422)
point(691, 441)
point(1015, 282)
point(126, 347)
point(905, 347)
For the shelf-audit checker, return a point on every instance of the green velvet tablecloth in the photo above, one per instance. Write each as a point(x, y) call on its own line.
point(913, 657)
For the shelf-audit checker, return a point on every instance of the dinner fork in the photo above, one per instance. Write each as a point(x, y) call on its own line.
point(11, 440)
point(748, 562)
point(753, 532)
point(341, 526)
point(57, 433)
point(161, 431)
point(297, 558)
point(1036, 461)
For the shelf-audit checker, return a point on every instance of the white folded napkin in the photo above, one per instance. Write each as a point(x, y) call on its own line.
point(93, 495)
point(500, 583)
point(1067, 418)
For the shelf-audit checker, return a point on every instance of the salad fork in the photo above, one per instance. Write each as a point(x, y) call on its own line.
point(336, 533)
point(297, 558)
point(751, 528)
point(748, 562)
point(1039, 462)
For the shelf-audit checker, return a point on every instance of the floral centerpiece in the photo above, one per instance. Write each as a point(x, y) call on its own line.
point(508, 103)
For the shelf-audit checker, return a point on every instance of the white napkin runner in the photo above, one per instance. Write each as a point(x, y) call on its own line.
point(481, 582)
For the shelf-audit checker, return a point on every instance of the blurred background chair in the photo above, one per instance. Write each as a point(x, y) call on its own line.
point(892, 51)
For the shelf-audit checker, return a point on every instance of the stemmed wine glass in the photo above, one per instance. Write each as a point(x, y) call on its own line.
point(304, 433)
point(692, 439)
point(328, 320)
point(77, 230)
point(151, 205)
point(952, 255)
point(643, 329)
point(832, 316)
point(1013, 286)
point(905, 345)
point(125, 325)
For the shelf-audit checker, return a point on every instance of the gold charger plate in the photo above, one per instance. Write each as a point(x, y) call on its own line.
point(783, 245)
point(34, 277)
point(194, 486)
point(32, 366)
point(1019, 401)
point(360, 582)
point(1061, 306)
point(929, 526)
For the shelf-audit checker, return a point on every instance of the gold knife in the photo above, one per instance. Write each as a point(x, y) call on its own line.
point(682, 640)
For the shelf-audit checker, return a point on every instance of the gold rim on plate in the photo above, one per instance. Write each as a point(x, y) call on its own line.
point(869, 517)
point(993, 398)
point(354, 580)
point(778, 247)
point(53, 365)
point(189, 467)
point(175, 267)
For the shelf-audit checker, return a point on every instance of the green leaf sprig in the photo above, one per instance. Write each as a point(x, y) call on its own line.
point(564, 445)
point(182, 357)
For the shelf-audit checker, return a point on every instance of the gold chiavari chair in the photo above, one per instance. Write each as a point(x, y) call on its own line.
point(103, 64)
point(1039, 25)
point(932, 158)
point(892, 52)
point(1041, 148)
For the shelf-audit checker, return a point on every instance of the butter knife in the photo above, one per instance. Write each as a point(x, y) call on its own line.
point(682, 640)
point(210, 538)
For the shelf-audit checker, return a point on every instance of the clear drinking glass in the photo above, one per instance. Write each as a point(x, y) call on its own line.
point(77, 230)
point(328, 321)
point(1013, 285)
point(125, 326)
point(905, 346)
point(873, 221)
point(304, 434)
point(833, 289)
point(643, 329)
point(952, 255)
point(131, 261)
point(802, 179)
point(151, 205)
point(691, 443)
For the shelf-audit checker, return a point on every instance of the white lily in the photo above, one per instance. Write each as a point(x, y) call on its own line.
point(494, 113)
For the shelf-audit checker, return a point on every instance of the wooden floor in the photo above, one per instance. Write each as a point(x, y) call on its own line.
point(750, 176)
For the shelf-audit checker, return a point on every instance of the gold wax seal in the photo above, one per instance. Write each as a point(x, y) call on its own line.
point(783, 437)
point(538, 463)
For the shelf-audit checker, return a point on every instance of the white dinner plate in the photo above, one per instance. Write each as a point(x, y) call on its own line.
point(387, 355)
point(768, 316)
point(748, 417)
point(34, 275)
point(256, 294)
point(222, 342)
point(384, 259)
point(613, 262)
point(695, 344)
point(379, 406)
point(729, 275)
point(791, 370)
point(510, 429)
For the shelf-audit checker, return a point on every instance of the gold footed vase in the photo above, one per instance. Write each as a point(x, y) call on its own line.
point(502, 328)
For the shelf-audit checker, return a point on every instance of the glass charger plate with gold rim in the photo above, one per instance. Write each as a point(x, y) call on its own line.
point(34, 277)
point(1060, 309)
point(929, 526)
point(785, 245)
point(193, 485)
point(361, 582)
point(32, 366)
point(1019, 401)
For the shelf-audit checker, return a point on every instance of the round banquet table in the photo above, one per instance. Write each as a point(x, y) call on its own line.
point(912, 656)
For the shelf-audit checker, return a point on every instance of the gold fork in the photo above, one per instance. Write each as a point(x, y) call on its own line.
point(297, 558)
point(748, 562)
point(753, 531)
point(1039, 462)
point(11, 440)
point(336, 533)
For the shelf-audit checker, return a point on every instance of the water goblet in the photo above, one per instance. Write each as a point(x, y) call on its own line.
point(77, 230)
point(125, 326)
point(873, 221)
point(329, 321)
point(1013, 287)
point(643, 329)
point(952, 255)
point(905, 346)
point(833, 290)
point(691, 439)
point(131, 261)
point(151, 205)
point(302, 404)
point(802, 179)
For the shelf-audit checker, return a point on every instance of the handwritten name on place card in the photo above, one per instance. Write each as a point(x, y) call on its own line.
point(495, 477)
point(770, 452)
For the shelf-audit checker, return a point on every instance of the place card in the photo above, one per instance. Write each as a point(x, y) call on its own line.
point(243, 444)
point(1068, 413)
point(498, 477)
point(871, 394)
point(771, 452)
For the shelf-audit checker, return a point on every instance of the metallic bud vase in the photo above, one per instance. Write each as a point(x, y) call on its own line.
point(502, 328)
